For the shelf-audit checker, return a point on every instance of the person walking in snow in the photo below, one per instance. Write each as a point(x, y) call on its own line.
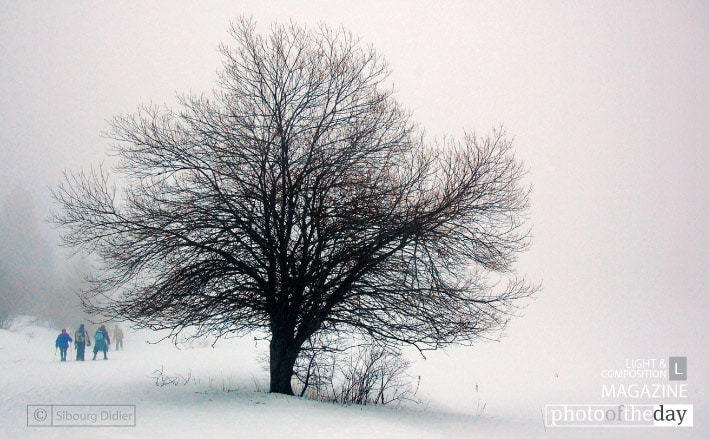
point(62, 343)
point(118, 337)
point(101, 342)
point(81, 340)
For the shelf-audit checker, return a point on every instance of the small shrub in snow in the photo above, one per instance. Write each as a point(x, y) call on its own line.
point(355, 374)
point(162, 379)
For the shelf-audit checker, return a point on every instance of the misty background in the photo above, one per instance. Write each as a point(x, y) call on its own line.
point(608, 103)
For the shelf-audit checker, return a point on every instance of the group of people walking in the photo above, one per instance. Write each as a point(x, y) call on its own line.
point(81, 340)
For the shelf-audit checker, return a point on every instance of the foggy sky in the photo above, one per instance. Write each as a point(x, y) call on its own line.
point(608, 103)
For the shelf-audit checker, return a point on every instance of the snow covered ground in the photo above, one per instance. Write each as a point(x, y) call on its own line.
point(221, 394)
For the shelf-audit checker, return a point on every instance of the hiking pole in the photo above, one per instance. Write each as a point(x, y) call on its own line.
point(55, 353)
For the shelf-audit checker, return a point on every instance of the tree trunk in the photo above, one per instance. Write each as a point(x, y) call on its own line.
point(283, 354)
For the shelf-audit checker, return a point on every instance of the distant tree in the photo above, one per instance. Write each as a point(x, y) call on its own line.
point(300, 199)
point(31, 280)
point(8, 306)
point(25, 256)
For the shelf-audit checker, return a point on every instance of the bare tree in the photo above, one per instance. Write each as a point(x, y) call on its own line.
point(300, 198)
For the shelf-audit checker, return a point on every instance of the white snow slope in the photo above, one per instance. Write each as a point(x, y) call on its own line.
point(223, 397)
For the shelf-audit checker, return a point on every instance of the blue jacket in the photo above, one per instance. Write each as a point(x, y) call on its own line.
point(102, 345)
point(63, 340)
